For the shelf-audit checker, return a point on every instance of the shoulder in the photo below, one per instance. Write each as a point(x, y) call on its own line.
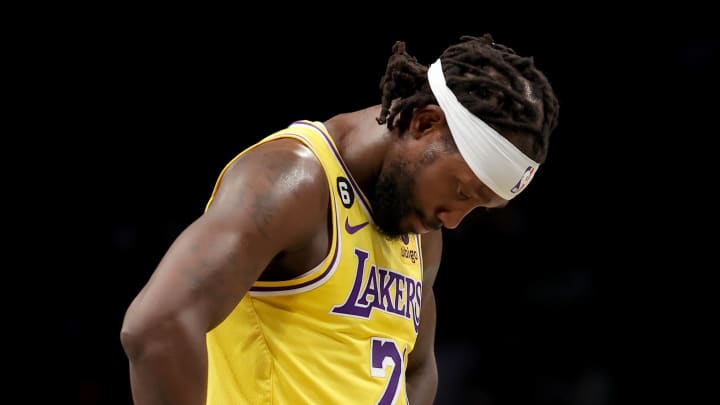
point(280, 165)
point(270, 184)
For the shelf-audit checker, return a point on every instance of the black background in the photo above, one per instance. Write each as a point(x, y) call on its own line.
point(540, 303)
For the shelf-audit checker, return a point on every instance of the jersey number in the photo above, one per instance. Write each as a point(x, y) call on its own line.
point(347, 197)
point(385, 354)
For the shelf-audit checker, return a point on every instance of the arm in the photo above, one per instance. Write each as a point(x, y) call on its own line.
point(212, 264)
point(422, 373)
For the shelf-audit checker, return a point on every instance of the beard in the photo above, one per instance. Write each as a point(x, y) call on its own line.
point(393, 199)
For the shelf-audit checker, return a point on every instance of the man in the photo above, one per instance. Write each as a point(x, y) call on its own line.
point(309, 277)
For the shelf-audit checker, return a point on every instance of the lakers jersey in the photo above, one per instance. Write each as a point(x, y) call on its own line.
point(339, 333)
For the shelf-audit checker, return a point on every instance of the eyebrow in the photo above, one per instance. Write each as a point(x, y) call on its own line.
point(481, 191)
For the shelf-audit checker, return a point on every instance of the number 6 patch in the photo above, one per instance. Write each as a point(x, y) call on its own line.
point(347, 196)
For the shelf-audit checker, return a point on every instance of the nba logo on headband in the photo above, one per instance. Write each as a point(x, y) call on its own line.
point(524, 180)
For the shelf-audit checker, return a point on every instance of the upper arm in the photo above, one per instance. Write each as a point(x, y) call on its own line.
point(424, 345)
point(253, 217)
point(432, 254)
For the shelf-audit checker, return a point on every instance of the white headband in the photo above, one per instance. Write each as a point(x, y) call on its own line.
point(493, 159)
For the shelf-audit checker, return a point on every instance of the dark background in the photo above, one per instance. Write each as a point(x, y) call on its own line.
point(544, 302)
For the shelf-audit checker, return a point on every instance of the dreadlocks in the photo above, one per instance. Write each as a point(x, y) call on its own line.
point(489, 79)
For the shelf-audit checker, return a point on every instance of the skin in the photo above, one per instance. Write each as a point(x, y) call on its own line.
point(252, 231)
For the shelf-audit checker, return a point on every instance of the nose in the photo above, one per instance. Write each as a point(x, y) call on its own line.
point(451, 218)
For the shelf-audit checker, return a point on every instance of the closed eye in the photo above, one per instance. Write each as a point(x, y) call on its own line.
point(462, 196)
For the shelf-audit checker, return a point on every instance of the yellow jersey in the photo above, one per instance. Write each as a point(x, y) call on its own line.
point(340, 333)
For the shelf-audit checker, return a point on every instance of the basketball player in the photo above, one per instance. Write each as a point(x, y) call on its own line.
point(309, 277)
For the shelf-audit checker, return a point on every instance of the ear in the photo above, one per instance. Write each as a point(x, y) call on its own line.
point(426, 120)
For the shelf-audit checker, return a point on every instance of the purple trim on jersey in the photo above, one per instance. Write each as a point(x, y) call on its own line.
point(420, 249)
point(331, 266)
point(339, 159)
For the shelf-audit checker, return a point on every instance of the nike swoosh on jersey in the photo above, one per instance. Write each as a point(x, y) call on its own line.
point(352, 229)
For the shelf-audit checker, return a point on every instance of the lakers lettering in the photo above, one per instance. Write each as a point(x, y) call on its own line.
point(376, 288)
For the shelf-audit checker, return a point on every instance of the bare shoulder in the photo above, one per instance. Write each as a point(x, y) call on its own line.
point(279, 185)
point(281, 165)
point(432, 254)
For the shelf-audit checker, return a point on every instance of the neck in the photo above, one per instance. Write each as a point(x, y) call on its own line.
point(362, 143)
